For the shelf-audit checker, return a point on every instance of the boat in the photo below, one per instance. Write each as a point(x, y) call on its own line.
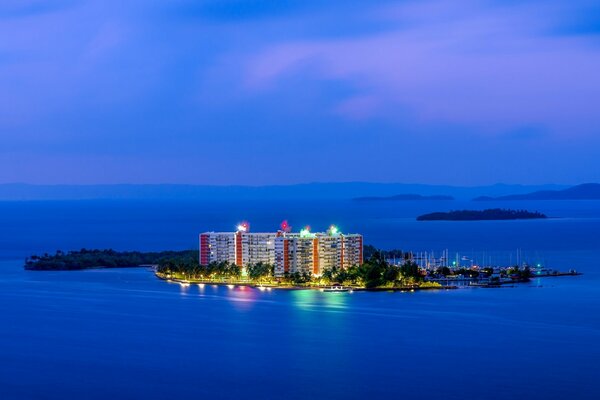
point(485, 284)
point(336, 289)
point(478, 284)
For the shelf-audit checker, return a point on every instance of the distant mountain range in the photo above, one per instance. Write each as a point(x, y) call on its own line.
point(344, 190)
point(403, 197)
point(586, 191)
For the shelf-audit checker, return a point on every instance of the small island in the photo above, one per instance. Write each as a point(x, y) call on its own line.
point(403, 197)
point(493, 214)
point(106, 258)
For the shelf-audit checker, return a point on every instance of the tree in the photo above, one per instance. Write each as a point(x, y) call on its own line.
point(391, 274)
point(373, 271)
point(410, 271)
point(329, 275)
point(259, 271)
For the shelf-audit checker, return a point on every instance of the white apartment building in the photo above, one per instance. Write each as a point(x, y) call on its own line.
point(303, 252)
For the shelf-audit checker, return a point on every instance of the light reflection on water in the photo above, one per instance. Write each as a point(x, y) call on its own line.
point(124, 334)
point(67, 322)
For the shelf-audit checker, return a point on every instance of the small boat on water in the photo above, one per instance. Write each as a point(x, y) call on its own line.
point(477, 284)
point(485, 284)
point(336, 289)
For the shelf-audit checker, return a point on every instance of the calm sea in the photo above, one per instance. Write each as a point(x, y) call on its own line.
point(102, 334)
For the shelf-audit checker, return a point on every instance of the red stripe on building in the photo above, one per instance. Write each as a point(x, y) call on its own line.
point(204, 249)
point(316, 256)
point(238, 249)
point(286, 259)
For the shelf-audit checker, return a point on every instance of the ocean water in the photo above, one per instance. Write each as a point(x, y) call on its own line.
point(122, 333)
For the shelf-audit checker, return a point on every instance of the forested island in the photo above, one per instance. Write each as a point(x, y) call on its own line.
point(481, 215)
point(109, 258)
point(382, 270)
point(375, 272)
point(85, 258)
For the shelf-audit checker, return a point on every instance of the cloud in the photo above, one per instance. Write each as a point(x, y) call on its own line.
point(239, 87)
point(493, 68)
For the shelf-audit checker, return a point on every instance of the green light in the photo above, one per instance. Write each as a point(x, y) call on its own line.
point(305, 233)
point(453, 262)
point(333, 230)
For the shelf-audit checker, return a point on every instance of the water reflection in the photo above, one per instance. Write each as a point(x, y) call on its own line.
point(184, 288)
point(242, 297)
point(310, 299)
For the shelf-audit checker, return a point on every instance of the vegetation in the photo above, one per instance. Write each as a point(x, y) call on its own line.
point(375, 272)
point(478, 215)
point(519, 273)
point(369, 251)
point(260, 272)
point(84, 258)
point(468, 273)
point(428, 284)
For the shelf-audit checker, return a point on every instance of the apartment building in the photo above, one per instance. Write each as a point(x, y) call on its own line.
point(302, 252)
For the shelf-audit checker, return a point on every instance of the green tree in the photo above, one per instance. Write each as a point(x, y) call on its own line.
point(259, 271)
point(410, 271)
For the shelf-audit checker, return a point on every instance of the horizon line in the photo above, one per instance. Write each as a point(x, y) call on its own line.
point(223, 185)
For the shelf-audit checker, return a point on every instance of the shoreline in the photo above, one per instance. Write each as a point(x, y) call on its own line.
point(270, 286)
point(292, 287)
point(89, 268)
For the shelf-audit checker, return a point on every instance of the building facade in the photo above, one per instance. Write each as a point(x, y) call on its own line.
point(316, 253)
point(302, 252)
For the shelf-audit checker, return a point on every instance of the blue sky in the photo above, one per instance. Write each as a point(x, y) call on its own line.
point(276, 92)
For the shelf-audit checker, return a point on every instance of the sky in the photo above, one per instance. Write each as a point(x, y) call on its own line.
point(249, 92)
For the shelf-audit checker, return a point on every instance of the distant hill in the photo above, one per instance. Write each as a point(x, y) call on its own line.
point(403, 197)
point(494, 214)
point(317, 190)
point(587, 191)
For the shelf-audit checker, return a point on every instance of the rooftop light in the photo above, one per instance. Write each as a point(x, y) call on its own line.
point(243, 227)
point(305, 232)
point(285, 227)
